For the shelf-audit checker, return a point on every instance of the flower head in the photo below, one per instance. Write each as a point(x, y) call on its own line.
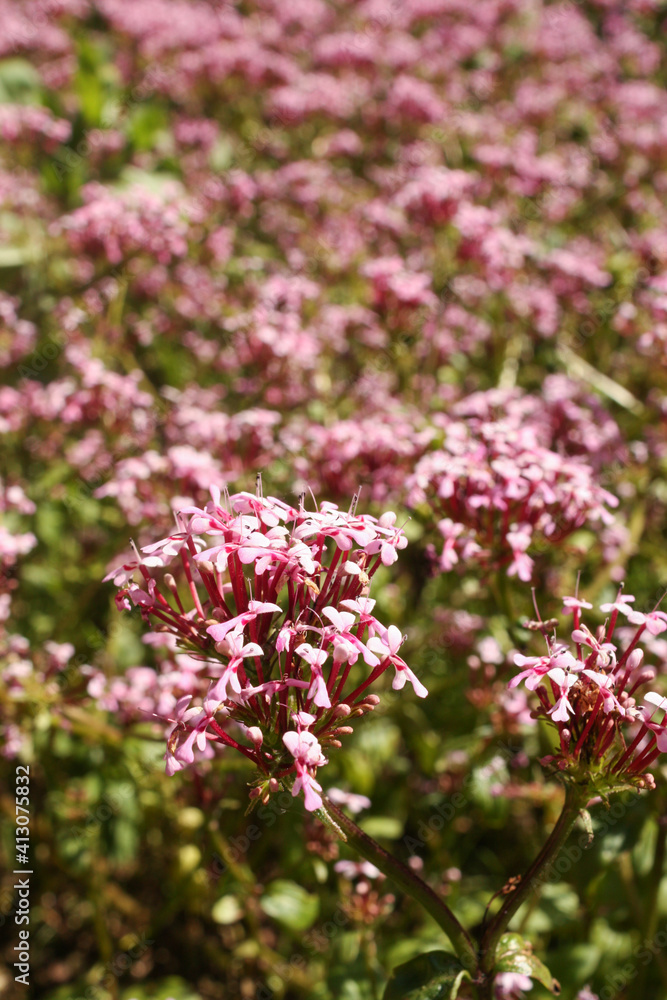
point(591, 692)
point(281, 619)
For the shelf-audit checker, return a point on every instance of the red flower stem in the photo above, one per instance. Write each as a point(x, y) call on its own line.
point(612, 625)
point(605, 737)
point(206, 578)
point(633, 746)
point(646, 757)
point(181, 625)
point(342, 683)
point(332, 676)
point(223, 737)
point(191, 585)
point(319, 603)
point(630, 648)
point(237, 580)
point(272, 588)
point(377, 671)
point(587, 728)
point(257, 659)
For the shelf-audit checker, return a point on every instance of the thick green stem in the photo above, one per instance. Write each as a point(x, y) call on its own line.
point(406, 879)
point(575, 799)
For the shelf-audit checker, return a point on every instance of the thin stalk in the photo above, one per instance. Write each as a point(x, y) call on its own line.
point(405, 878)
point(575, 800)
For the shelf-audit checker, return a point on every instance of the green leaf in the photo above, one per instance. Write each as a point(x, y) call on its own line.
point(20, 83)
point(227, 910)
point(290, 905)
point(435, 975)
point(388, 827)
point(515, 954)
point(17, 256)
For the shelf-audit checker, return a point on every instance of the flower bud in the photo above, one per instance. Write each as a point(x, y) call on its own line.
point(256, 735)
point(635, 658)
point(274, 784)
point(341, 711)
point(254, 793)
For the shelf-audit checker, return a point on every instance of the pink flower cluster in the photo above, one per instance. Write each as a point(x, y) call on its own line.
point(594, 690)
point(115, 226)
point(32, 125)
point(501, 484)
point(273, 600)
point(13, 542)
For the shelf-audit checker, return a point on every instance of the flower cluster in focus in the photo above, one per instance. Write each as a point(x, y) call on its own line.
point(274, 599)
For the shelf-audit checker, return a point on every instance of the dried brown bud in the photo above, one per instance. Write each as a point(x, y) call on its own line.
point(547, 626)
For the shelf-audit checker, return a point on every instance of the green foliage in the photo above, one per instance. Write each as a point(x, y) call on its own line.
point(435, 975)
point(290, 904)
point(515, 954)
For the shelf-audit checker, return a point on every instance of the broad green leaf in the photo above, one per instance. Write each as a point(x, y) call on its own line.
point(290, 905)
point(435, 975)
point(515, 954)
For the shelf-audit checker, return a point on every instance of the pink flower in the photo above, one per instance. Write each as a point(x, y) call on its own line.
point(387, 648)
point(572, 603)
point(308, 756)
point(561, 711)
point(606, 651)
point(316, 658)
point(655, 621)
point(255, 608)
point(347, 646)
point(237, 650)
point(509, 985)
point(622, 603)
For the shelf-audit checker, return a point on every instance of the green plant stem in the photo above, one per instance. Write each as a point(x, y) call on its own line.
point(575, 799)
point(406, 879)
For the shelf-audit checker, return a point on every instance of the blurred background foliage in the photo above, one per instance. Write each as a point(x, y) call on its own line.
point(149, 887)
